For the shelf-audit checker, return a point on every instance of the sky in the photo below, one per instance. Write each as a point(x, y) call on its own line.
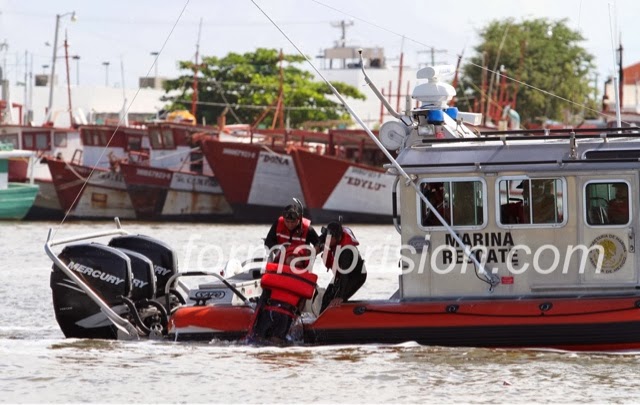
point(125, 33)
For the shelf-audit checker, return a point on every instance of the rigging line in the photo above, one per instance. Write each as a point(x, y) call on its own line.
point(164, 44)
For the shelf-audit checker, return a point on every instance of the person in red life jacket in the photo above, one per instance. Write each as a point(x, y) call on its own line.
point(285, 289)
point(293, 230)
point(341, 256)
point(284, 293)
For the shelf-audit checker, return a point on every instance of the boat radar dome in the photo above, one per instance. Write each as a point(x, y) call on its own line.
point(434, 94)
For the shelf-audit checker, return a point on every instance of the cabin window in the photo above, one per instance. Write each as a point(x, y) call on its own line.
point(167, 138)
point(60, 139)
point(531, 201)
point(35, 141)
point(607, 203)
point(134, 142)
point(86, 137)
point(155, 137)
point(11, 139)
point(460, 203)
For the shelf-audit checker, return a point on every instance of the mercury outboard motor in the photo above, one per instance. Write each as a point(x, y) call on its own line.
point(147, 314)
point(108, 272)
point(165, 263)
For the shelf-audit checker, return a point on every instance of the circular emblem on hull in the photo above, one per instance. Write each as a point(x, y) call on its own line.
point(614, 253)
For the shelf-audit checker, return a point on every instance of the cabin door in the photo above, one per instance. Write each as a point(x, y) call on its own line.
point(608, 227)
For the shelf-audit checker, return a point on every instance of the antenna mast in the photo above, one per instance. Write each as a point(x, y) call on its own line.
point(196, 66)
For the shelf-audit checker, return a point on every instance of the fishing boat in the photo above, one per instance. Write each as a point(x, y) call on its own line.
point(16, 199)
point(98, 190)
point(159, 194)
point(335, 187)
point(47, 143)
point(510, 240)
point(257, 178)
point(261, 175)
point(88, 185)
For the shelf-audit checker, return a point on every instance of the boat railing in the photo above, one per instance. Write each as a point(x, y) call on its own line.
point(129, 330)
point(550, 134)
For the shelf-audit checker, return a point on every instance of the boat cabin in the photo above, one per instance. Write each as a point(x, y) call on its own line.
point(542, 213)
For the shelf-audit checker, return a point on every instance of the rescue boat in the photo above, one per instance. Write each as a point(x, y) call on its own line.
point(507, 241)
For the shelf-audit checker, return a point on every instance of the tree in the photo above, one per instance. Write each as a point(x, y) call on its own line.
point(542, 53)
point(250, 82)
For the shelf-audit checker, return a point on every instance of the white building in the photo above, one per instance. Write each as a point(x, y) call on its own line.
point(90, 104)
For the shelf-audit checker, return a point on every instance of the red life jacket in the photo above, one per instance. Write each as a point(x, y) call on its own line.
point(287, 287)
point(296, 237)
point(348, 239)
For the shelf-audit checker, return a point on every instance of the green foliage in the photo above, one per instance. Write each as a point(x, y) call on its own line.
point(543, 54)
point(250, 82)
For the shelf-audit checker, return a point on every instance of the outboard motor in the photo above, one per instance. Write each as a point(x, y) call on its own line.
point(147, 314)
point(108, 272)
point(144, 278)
point(165, 263)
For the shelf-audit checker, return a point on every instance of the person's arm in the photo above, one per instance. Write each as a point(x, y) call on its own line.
point(313, 239)
point(346, 259)
point(271, 240)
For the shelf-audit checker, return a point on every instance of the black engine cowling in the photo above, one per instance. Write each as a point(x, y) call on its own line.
point(144, 278)
point(105, 270)
point(164, 259)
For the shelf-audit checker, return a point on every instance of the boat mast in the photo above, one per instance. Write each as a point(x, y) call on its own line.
point(616, 80)
point(194, 93)
point(66, 59)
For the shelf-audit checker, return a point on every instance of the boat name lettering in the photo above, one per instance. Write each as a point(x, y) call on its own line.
point(161, 271)
point(196, 181)
point(487, 247)
point(269, 158)
point(153, 173)
point(99, 274)
point(368, 184)
point(489, 239)
point(239, 153)
point(367, 173)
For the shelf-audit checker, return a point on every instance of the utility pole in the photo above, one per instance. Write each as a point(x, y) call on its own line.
point(343, 25)
point(432, 50)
